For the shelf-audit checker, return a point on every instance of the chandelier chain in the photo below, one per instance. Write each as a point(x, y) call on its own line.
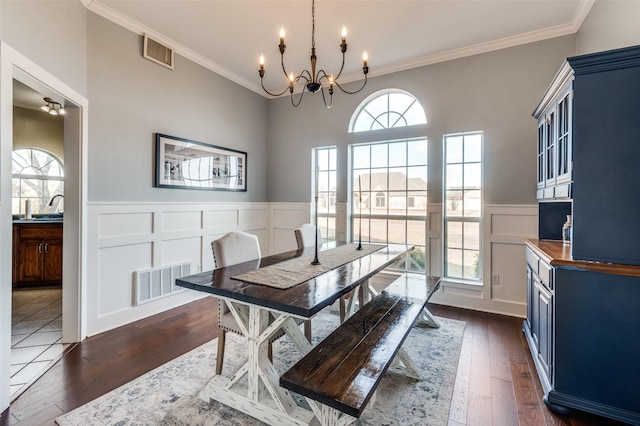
point(313, 24)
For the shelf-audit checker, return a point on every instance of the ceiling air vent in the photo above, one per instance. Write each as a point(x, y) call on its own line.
point(157, 52)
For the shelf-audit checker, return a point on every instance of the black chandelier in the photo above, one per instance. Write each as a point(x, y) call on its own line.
point(312, 80)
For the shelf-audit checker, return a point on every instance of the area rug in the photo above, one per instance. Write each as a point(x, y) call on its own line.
point(167, 395)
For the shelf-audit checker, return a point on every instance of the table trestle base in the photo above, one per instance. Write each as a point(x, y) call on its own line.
point(266, 410)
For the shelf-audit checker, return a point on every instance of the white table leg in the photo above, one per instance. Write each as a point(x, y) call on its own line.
point(262, 398)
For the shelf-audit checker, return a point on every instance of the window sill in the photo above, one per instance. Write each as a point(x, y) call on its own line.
point(462, 283)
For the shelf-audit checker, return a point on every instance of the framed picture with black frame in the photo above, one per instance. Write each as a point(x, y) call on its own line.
point(187, 164)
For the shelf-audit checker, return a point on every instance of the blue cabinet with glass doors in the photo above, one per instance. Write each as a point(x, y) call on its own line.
point(583, 296)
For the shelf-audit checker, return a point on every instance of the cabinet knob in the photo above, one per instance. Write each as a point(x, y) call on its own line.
point(40, 248)
point(46, 248)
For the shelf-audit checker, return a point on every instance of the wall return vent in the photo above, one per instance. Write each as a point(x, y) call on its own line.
point(153, 283)
point(157, 52)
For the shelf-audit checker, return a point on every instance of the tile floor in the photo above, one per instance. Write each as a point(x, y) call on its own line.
point(36, 335)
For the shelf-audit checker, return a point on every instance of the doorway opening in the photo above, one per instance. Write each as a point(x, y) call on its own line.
point(37, 222)
point(64, 306)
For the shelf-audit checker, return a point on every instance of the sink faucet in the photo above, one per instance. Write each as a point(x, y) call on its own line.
point(53, 199)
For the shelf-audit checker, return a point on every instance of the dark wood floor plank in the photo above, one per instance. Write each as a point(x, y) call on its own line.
point(499, 357)
point(94, 367)
point(479, 413)
point(480, 380)
point(503, 403)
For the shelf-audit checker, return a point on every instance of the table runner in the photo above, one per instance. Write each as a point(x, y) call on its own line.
point(295, 271)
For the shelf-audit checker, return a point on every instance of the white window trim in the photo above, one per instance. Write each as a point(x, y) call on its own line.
point(462, 282)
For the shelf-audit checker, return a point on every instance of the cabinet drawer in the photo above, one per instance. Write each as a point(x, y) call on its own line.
point(40, 231)
point(563, 191)
point(549, 193)
point(532, 259)
point(546, 274)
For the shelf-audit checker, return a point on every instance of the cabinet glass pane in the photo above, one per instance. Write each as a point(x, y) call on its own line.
point(550, 155)
point(541, 154)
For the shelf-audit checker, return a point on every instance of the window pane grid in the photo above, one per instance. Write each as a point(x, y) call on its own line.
point(389, 193)
point(326, 184)
point(37, 176)
point(388, 109)
point(463, 205)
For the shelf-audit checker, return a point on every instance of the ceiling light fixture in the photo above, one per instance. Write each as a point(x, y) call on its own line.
point(312, 80)
point(52, 107)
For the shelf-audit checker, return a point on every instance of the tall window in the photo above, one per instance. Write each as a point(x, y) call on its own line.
point(325, 160)
point(387, 109)
point(37, 176)
point(463, 205)
point(389, 187)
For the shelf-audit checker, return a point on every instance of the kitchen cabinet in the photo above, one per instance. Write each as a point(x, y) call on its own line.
point(583, 296)
point(554, 156)
point(539, 313)
point(582, 330)
point(37, 254)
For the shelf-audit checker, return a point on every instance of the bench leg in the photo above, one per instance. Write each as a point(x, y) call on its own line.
point(427, 319)
point(328, 416)
point(405, 364)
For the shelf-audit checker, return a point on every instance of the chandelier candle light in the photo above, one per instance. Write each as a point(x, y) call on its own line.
point(313, 81)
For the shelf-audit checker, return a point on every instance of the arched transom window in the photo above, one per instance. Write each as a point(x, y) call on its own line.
point(37, 176)
point(387, 109)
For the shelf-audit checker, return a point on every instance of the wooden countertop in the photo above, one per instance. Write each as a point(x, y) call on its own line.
point(558, 254)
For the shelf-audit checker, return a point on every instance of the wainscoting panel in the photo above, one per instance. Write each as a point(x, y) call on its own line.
point(505, 227)
point(181, 221)
point(256, 218)
point(343, 228)
point(115, 291)
point(283, 240)
point(126, 237)
point(219, 220)
point(176, 250)
point(434, 239)
point(284, 218)
point(116, 225)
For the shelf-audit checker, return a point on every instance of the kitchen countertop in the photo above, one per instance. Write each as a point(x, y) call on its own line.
point(558, 254)
point(39, 220)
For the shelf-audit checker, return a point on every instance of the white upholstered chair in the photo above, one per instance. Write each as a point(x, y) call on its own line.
point(231, 249)
point(306, 235)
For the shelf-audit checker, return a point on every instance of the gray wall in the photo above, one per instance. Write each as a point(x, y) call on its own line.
point(132, 98)
point(35, 129)
point(51, 33)
point(494, 92)
point(610, 25)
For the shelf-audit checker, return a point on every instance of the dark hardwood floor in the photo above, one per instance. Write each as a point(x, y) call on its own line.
point(496, 382)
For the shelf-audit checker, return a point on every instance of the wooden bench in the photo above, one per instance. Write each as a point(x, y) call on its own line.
point(419, 289)
point(342, 372)
point(414, 286)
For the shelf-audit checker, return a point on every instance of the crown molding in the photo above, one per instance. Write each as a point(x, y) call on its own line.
point(583, 9)
point(134, 26)
point(552, 32)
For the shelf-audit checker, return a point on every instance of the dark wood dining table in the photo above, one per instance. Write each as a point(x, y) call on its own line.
point(261, 311)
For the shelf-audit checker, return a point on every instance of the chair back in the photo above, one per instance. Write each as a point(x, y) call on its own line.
point(235, 247)
point(306, 235)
